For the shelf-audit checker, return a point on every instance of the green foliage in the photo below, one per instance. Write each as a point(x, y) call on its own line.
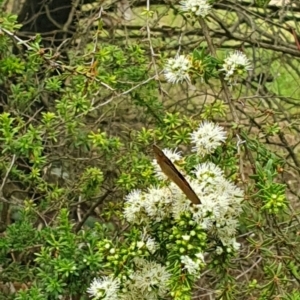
point(204, 65)
point(271, 193)
point(52, 151)
point(62, 258)
point(262, 3)
point(91, 181)
point(293, 296)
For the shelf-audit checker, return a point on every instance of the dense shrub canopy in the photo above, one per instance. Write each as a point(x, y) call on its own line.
point(87, 88)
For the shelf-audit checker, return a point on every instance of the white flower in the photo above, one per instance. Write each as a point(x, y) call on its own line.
point(208, 172)
point(141, 207)
point(196, 7)
point(150, 280)
point(193, 267)
point(133, 207)
point(200, 256)
point(236, 246)
point(235, 65)
point(209, 207)
point(151, 245)
point(157, 203)
point(230, 194)
point(172, 155)
point(140, 244)
point(219, 250)
point(231, 242)
point(186, 237)
point(148, 241)
point(227, 227)
point(177, 69)
point(238, 58)
point(104, 288)
point(207, 138)
point(181, 204)
point(189, 265)
point(220, 203)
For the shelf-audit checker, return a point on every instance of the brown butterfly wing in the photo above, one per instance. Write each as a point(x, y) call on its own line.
point(173, 174)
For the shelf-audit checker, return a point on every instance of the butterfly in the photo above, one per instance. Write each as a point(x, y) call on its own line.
point(173, 174)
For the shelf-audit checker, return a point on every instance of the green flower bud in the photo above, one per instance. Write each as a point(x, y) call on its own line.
point(182, 250)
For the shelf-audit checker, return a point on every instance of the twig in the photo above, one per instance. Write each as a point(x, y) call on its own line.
point(247, 271)
point(226, 91)
point(6, 175)
point(90, 211)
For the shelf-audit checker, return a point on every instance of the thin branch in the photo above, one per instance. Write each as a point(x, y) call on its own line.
point(6, 175)
point(91, 210)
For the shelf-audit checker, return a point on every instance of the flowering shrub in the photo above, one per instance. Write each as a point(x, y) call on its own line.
point(176, 238)
point(85, 210)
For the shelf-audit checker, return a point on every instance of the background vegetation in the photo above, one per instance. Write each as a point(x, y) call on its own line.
point(83, 98)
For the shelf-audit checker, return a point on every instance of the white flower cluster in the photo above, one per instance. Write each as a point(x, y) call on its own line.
point(192, 266)
point(220, 199)
point(196, 7)
point(217, 215)
point(177, 69)
point(148, 281)
point(147, 241)
point(207, 138)
point(105, 288)
point(220, 203)
point(235, 65)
